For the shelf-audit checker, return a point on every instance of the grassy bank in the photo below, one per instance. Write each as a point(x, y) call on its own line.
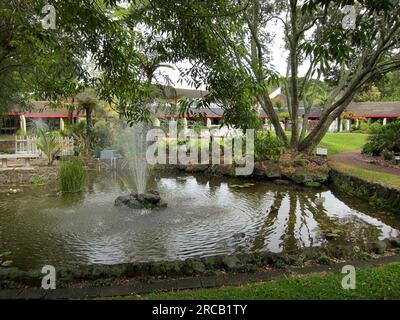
point(343, 142)
point(375, 283)
point(386, 179)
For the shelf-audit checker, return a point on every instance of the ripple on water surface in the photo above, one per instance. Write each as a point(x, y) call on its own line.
point(204, 218)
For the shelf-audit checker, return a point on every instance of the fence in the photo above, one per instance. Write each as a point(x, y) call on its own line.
point(27, 145)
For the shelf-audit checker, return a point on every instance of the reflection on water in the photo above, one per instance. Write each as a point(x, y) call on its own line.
point(205, 217)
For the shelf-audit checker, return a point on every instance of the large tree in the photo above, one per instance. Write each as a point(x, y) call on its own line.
point(50, 63)
point(229, 44)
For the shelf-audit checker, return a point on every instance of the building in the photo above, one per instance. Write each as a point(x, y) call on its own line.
point(54, 117)
point(384, 112)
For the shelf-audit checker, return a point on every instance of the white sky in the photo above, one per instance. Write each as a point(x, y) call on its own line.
point(278, 52)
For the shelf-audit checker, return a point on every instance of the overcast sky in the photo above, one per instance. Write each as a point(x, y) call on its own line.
point(279, 58)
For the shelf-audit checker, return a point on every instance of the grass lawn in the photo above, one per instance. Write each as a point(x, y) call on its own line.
point(342, 142)
point(375, 283)
point(6, 139)
point(386, 179)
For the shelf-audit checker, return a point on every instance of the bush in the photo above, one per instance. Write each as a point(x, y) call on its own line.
point(364, 127)
point(387, 137)
point(101, 137)
point(388, 155)
point(72, 175)
point(267, 146)
point(375, 127)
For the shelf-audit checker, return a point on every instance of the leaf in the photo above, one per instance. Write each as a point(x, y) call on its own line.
point(5, 254)
point(7, 263)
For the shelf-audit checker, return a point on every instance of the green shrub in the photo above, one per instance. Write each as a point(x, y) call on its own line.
point(267, 146)
point(387, 137)
point(375, 127)
point(388, 155)
point(37, 181)
point(101, 137)
point(364, 127)
point(72, 175)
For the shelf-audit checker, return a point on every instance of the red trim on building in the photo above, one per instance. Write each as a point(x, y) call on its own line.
point(188, 117)
point(378, 116)
point(57, 116)
point(11, 114)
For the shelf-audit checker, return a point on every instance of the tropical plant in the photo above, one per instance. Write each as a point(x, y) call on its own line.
point(50, 144)
point(72, 175)
point(386, 140)
point(267, 146)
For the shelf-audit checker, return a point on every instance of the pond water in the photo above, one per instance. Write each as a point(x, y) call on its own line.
point(205, 217)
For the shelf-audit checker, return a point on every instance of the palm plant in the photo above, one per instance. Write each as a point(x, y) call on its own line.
point(49, 144)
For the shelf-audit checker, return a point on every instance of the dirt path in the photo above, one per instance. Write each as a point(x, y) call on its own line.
point(355, 158)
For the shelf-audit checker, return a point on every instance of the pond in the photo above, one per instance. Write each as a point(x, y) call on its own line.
point(205, 217)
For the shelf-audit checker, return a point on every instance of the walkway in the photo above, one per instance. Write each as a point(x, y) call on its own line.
point(356, 159)
point(140, 288)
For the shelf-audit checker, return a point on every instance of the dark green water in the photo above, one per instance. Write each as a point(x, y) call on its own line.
point(205, 217)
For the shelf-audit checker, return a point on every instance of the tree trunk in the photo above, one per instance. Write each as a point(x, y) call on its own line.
point(267, 106)
point(316, 136)
point(294, 64)
point(88, 128)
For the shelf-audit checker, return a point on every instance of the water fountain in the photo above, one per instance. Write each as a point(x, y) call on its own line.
point(135, 148)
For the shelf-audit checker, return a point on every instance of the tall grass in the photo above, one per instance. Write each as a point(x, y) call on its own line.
point(72, 175)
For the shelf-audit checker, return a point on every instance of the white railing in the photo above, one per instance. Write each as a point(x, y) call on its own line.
point(68, 146)
point(27, 145)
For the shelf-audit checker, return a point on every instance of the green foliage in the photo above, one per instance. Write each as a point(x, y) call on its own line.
point(387, 138)
point(49, 63)
point(364, 127)
point(377, 283)
point(389, 85)
point(313, 184)
point(101, 137)
point(375, 127)
point(72, 175)
point(37, 181)
point(267, 146)
point(49, 144)
point(388, 155)
point(324, 260)
point(79, 133)
point(369, 94)
point(4, 259)
point(20, 133)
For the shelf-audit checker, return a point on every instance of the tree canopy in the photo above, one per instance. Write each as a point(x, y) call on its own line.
point(229, 45)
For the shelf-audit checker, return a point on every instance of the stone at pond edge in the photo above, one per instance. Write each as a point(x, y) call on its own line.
point(282, 182)
point(395, 242)
point(231, 263)
point(378, 247)
point(267, 169)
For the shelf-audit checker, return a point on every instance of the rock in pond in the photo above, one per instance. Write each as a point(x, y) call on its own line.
point(151, 200)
